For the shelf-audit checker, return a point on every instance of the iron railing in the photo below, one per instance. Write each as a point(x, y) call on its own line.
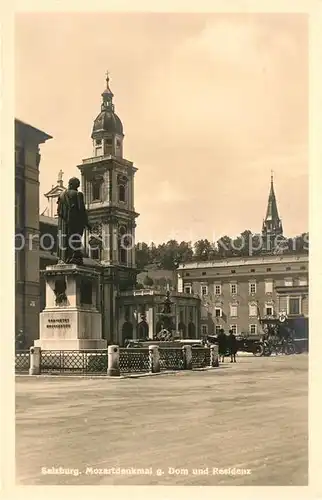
point(171, 358)
point(78, 362)
point(200, 357)
point(22, 361)
point(133, 359)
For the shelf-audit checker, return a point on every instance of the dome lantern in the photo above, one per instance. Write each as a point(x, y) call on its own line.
point(107, 133)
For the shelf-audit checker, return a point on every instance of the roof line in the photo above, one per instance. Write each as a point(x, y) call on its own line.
point(44, 135)
point(233, 261)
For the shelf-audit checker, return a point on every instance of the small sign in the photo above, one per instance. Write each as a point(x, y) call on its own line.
point(58, 323)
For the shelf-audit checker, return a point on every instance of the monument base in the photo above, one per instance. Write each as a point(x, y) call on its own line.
point(67, 329)
point(71, 319)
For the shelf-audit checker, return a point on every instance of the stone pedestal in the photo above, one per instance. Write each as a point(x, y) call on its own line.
point(71, 319)
point(154, 358)
point(187, 357)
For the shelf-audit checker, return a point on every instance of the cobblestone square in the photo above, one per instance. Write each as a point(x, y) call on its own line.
point(240, 424)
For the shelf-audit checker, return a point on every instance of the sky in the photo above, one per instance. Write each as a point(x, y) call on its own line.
point(210, 105)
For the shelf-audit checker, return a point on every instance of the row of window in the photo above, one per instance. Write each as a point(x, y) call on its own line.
point(253, 310)
point(97, 191)
point(252, 328)
point(294, 307)
point(268, 269)
point(204, 289)
point(99, 150)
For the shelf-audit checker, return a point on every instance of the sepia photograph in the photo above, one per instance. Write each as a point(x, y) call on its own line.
point(161, 248)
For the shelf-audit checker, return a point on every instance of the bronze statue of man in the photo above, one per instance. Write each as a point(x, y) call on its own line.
point(72, 220)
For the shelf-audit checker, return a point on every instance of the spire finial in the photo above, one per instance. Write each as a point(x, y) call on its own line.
point(107, 78)
point(272, 176)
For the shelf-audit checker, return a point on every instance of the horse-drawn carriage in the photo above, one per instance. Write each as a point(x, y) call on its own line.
point(245, 343)
point(277, 337)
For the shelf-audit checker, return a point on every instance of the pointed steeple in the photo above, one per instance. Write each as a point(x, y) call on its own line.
point(272, 224)
point(272, 212)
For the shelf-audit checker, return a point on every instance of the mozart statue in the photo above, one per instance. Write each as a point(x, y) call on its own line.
point(72, 220)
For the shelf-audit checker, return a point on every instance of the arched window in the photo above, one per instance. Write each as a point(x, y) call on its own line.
point(95, 254)
point(191, 330)
point(122, 193)
point(96, 189)
point(122, 244)
point(122, 183)
point(127, 331)
point(122, 230)
point(95, 242)
point(98, 147)
point(123, 255)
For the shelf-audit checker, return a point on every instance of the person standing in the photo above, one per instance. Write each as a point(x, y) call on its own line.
point(222, 345)
point(232, 342)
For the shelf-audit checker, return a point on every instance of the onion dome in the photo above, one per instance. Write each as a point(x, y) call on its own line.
point(107, 121)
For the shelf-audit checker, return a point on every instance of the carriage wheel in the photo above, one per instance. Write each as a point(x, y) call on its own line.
point(258, 350)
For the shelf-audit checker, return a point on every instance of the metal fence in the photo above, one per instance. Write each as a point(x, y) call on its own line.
point(134, 360)
point(22, 361)
point(131, 360)
point(200, 357)
point(171, 358)
point(78, 362)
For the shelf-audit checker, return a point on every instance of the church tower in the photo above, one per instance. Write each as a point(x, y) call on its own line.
point(108, 187)
point(272, 230)
point(53, 195)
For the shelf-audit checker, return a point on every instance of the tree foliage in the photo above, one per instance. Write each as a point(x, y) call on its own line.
point(169, 255)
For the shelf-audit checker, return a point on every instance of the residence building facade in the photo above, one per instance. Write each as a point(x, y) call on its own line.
point(235, 293)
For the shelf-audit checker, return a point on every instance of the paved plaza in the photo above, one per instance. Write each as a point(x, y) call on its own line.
point(186, 428)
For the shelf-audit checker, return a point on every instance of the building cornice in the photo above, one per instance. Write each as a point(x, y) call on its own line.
point(34, 132)
point(236, 261)
point(105, 161)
